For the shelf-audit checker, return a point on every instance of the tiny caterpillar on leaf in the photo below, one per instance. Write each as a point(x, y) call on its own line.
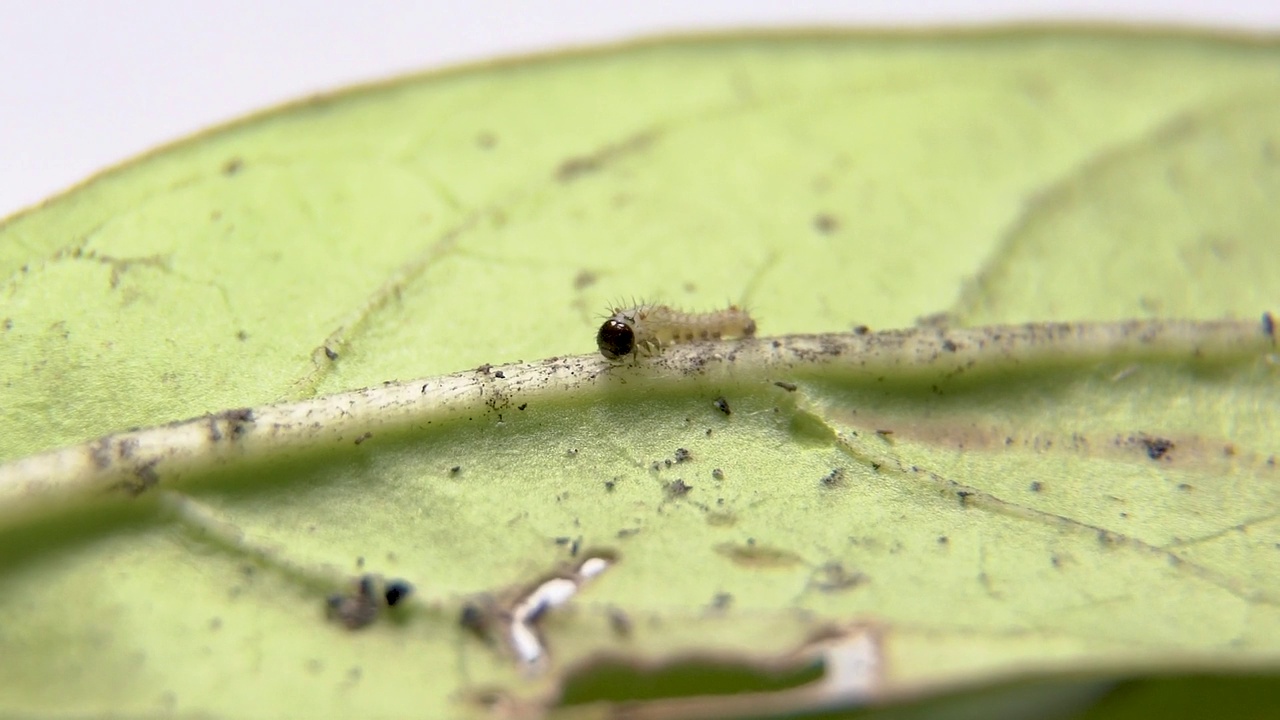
point(654, 326)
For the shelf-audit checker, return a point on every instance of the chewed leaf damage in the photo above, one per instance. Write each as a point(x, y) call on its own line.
point(837, 667)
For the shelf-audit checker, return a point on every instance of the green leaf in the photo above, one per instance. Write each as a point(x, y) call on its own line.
point(938, 506)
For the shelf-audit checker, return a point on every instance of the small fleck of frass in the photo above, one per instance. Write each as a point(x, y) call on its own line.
point(678, 488)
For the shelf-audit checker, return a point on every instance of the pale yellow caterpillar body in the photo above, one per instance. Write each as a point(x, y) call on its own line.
point(652, 327)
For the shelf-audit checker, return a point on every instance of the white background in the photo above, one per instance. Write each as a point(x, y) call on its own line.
point(85, 84)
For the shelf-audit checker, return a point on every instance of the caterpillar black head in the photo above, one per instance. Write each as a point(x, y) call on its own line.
point(616, 339)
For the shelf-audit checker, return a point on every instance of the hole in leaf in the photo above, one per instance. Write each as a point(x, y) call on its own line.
point(615, 680)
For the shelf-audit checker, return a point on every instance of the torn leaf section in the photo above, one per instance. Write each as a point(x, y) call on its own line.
point(841, 668)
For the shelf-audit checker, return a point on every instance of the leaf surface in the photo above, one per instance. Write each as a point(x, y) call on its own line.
point(1118, 512)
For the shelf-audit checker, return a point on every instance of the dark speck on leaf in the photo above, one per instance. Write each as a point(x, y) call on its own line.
point(825, 224)
point(574, 167)
point(147, 477)
point(396, 591)
point(619, 623)
point(1036, 486)
point(356, 610)
point(472, 618)
point(455, 471)
point(678, 488)
point(330, 353)
point(723, 405)
point(1157, 448)
point(833, 577)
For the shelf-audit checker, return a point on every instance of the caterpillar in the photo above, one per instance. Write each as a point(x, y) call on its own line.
point(626, 330)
